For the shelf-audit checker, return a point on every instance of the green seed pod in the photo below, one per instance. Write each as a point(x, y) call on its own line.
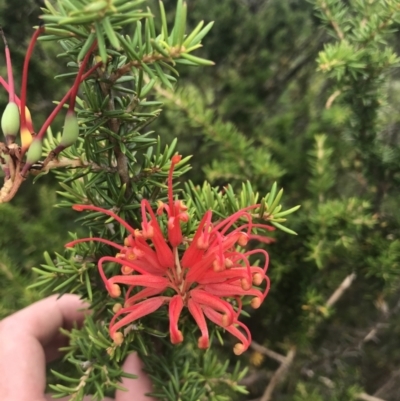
point(34, 152)
point(10, 120)
point(71, 130)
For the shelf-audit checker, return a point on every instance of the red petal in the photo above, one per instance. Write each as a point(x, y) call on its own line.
point(235, 273)
point(174, 231)
point(142, 294)
point(164, 252)
point(135, 312)
point(141, 280)
point(244, 339)
point(175, 309)
point(147, 258)
point(96, 239)
point(193, 254)
point(231, 290)
point(198, 316)
point(204, 298)
point(200, 268)
point(80, 208)
point(121, 261)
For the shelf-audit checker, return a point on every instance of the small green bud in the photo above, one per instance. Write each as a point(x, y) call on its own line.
point(96, 6)
point(10, 120)
point(71, 130)
point(34, 152)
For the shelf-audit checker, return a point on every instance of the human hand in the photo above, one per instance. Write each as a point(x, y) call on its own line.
point(30, 338)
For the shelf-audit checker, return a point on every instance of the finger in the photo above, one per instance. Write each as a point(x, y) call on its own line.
point(136, 387)
point(43, 319)
point(22, 337)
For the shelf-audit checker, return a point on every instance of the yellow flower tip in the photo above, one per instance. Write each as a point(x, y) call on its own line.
point(257, 278)
point(255, 302)
point(125, 270)
point(238, 349)
point(28, 115)
point(226, 320)
point(117, 307)
point(183, 206)
point(26, 137)
point(245, 284)
point(118, 338)
point(184, 216)
point(129, 241)
point(202, 243)
point(138, 233)
point(114, 290)
point(228, 263)
point(148, 233)
point(203, 342)
point(243, 239)
point(160, 207)
point(217, 266)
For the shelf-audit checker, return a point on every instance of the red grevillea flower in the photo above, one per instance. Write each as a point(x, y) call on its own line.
point(205, 273)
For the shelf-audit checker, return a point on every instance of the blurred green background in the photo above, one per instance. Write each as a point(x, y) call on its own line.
point(261, 115)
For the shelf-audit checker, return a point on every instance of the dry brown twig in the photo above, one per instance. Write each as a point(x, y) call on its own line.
point(267, 352)
point(286, 361)
point(279, 374)
point(344, 285)
point(366, 397)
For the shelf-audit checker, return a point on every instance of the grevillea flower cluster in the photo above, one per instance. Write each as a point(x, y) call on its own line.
point(209, 273)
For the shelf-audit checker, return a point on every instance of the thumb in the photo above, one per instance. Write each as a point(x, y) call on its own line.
point(136, 387)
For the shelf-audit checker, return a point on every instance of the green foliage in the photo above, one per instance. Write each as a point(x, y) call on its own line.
point(327, 137)
point(31, 229)
point(234, 163)
point(116, 163)
point(267, 112)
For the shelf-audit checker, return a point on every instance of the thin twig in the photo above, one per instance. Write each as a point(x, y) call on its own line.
point(279, 374)
point(346, 283)
point(334, 23)
point(366, 397)
point(267, 352)
point(390, 387)
point(332, 98)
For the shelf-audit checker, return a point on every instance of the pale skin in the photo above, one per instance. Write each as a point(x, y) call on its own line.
point(30, 338)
